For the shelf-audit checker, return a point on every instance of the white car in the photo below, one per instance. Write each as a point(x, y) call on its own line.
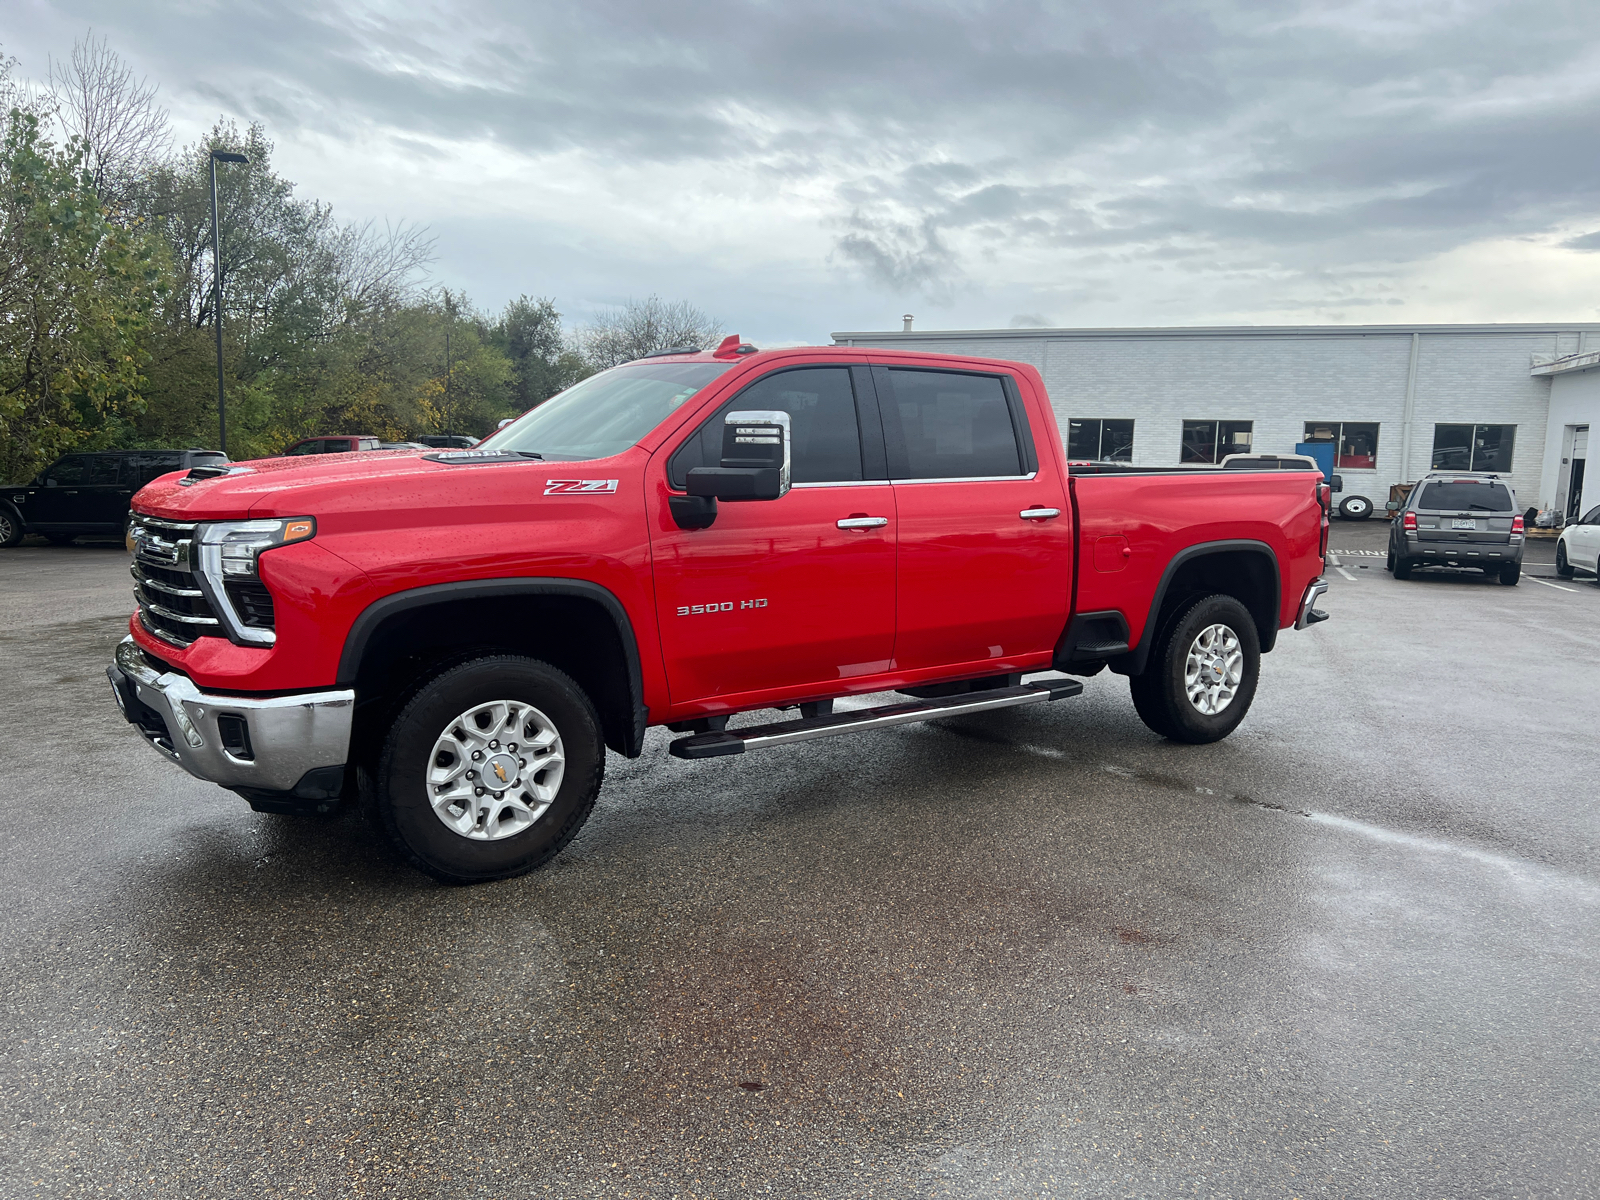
point(1578, 548)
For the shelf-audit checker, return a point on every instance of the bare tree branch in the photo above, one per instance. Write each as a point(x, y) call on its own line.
point(124, 130)
point(642, 327)
point(379, 268)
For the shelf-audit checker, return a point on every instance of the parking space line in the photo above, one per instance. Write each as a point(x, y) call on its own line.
point(1346, 574)
point(1557, 586)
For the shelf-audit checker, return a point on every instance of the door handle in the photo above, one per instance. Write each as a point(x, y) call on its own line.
point(863, 522)
point(1039, 514)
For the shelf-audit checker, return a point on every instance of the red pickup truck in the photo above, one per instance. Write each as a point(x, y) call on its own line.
point(455, 637)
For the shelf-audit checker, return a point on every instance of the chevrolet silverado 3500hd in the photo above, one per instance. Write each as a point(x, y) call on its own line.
point(455, 637)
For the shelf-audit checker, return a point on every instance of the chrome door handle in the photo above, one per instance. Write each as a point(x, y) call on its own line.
point(863, 522)
point(1039, 514)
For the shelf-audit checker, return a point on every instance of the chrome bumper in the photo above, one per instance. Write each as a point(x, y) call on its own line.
point(1308, 605)
point(289, 737)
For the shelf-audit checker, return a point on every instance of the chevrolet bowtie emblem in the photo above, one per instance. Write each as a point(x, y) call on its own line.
point(501, 772)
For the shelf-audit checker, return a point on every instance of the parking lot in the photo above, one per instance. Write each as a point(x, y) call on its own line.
point(1349, 951)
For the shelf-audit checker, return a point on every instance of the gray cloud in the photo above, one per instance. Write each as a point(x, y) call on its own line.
point(974, 154)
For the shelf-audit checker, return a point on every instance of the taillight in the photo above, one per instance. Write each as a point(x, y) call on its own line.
point(1516, 523)
point(1410, 520)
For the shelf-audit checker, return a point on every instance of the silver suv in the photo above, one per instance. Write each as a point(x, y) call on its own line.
point(1458, 519)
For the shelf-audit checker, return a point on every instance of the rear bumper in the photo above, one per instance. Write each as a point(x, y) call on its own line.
point(1444, 552)
point(295, 745)
point(1308, 614)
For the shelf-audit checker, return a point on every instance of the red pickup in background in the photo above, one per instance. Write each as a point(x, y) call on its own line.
point(457, 636)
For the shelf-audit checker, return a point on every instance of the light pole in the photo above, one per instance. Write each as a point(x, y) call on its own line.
point(216, 292)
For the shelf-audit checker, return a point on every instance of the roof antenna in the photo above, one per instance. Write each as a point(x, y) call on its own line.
point(906, 328)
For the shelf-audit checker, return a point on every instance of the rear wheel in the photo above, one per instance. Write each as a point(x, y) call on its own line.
point(1389, 565)
point(1202, 674)
point(10, 529)
point(490, 770)
point(1510, 573)
point(1402, 568)
point(1563, 567)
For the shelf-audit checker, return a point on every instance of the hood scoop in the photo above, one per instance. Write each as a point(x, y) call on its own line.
point(200, 474)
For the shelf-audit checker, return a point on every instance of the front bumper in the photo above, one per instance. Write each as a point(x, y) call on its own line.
point(293, 745)
point(1309, 615)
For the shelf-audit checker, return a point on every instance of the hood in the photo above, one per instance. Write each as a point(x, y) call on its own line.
point(327, 486)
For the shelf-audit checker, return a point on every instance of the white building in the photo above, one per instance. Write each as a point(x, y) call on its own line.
point(1396, 400)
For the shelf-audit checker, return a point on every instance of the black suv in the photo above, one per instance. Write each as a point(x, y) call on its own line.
point(89, 493)
point(1458, 519)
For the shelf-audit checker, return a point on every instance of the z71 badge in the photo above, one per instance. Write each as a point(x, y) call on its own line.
point(565, 487)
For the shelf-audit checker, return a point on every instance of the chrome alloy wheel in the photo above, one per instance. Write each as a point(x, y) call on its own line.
point(495, 770)
point(1214, 669)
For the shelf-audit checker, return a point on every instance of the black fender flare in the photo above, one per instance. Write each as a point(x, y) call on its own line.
point(1136, 659)
point(376, 613)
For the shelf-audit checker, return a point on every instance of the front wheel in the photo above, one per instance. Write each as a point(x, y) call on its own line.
point(1563, 567)
point(1202, 673)
point(490, 770)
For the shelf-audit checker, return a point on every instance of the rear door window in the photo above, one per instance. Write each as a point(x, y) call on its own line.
point(1466, 496)
point(947, 425)
point(146, 467)
point(825, 434)
point(103, 470)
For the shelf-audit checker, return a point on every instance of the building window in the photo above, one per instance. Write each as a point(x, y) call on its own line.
point(1100, 440)
point(1212, 441)
point(1473, 447)
point(1357, 442)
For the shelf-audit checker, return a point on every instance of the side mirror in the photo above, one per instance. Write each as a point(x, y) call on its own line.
point(1337, 481)
point(755, 459)
point(1393, 506)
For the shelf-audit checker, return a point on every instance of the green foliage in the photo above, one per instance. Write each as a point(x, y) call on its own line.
point(76, 297)
point(529, 334)
point(108, 313)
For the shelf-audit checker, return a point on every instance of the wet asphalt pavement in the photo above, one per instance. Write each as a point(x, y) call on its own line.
point(1350, 951)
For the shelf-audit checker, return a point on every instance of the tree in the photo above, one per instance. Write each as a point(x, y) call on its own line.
point(76, 296)
point(642, 327)
point(529, 334)
point(123, 131)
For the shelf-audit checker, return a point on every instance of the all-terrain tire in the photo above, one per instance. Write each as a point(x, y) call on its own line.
point(1173, 695)
point(403, 795)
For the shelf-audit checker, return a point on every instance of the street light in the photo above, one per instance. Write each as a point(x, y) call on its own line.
point(216, 280)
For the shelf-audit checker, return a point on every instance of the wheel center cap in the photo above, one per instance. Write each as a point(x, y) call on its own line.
point(500, 771)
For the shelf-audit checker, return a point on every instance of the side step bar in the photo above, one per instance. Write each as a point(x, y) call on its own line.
point(805, 729)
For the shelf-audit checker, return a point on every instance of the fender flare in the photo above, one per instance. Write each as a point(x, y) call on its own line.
point(380, 610)
point(1139, 656)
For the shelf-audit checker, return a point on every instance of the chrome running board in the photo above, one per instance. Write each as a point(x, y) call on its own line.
point(806, 729)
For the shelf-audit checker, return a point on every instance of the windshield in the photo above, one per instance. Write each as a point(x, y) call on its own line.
point(1464, 495)
point(605, 414)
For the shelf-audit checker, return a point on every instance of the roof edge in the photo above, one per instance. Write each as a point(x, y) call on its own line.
point(1170, 331)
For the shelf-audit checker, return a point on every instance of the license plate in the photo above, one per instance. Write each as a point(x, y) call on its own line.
point(1458, 523)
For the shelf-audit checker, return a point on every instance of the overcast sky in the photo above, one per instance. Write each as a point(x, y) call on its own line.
point(800, 168)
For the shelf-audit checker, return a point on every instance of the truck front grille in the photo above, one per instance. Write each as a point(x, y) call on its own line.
point(172, 604)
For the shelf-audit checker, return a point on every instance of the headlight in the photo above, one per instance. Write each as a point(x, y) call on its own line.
point(227, 552)
point(229, 549)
